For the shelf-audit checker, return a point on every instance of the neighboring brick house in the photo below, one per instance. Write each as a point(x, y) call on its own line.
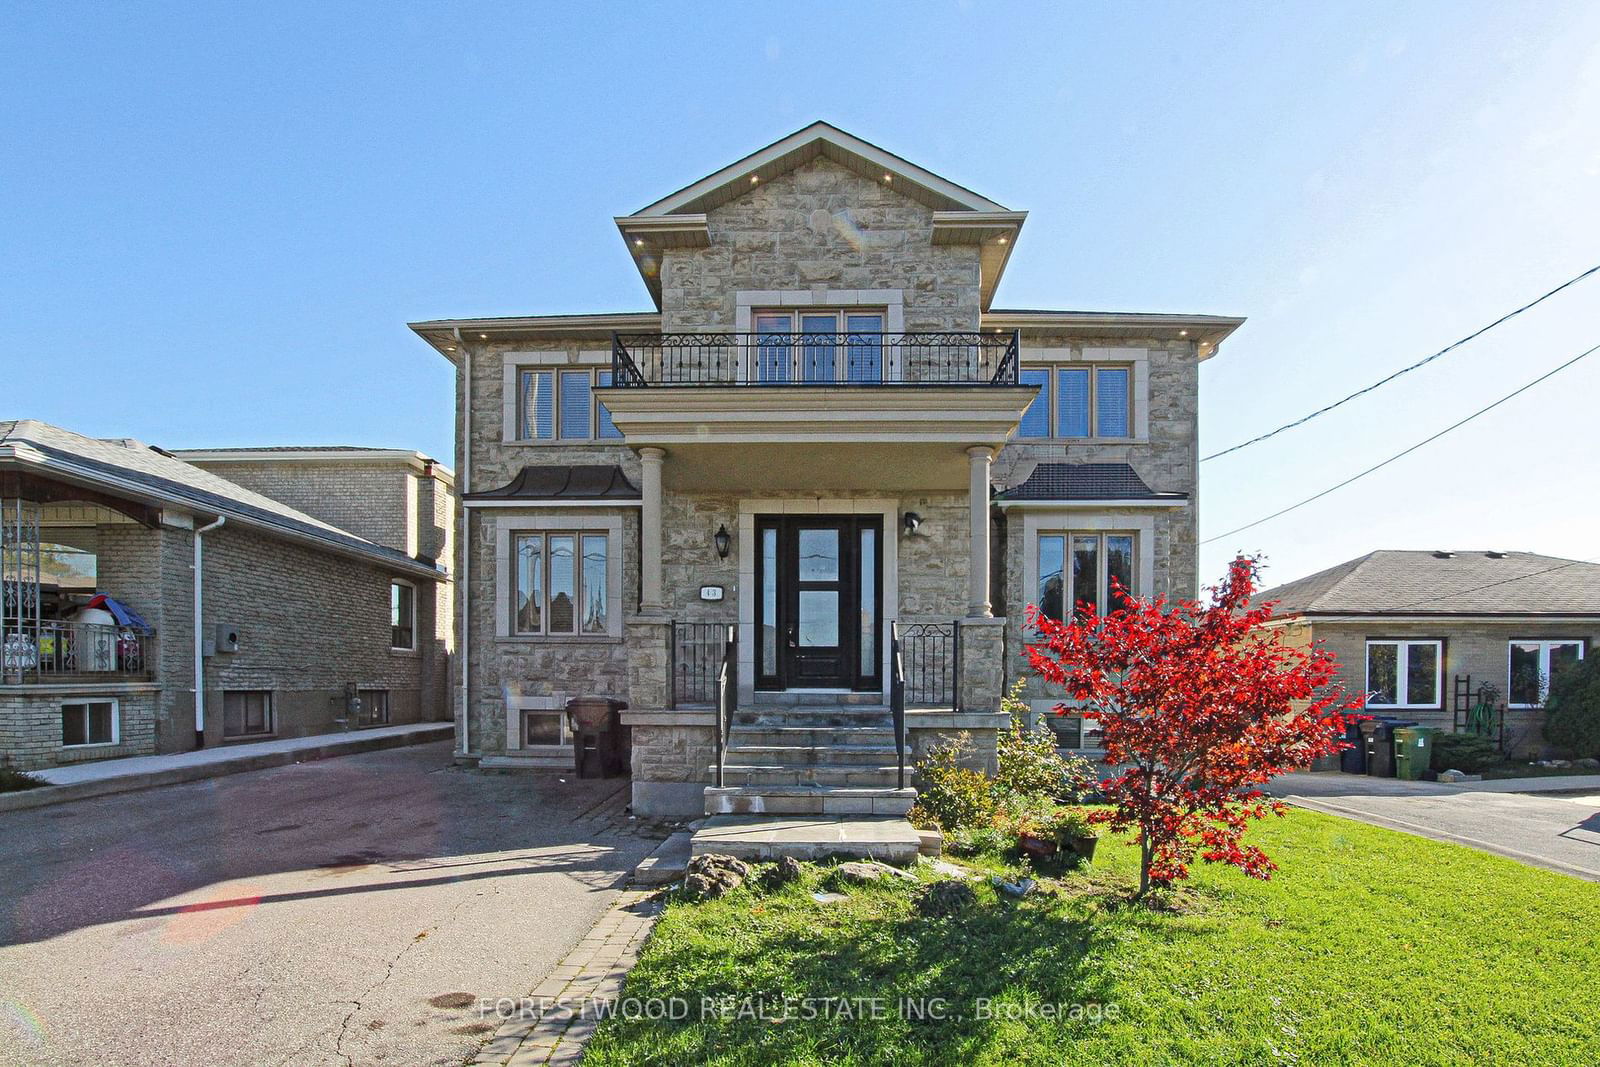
point(296, 613)
point(1422, 633)
point(823, 435)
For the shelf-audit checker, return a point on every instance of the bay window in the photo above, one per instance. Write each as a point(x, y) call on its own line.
point(561, 583)
point(1089, 571)
point(1404, 674)
point(1534, 663)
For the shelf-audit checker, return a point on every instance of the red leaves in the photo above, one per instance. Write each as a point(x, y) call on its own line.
point(1200, 702)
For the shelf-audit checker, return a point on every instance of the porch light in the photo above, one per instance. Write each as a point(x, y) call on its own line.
point(722, 541)
point(913, 521)
point(638, 242)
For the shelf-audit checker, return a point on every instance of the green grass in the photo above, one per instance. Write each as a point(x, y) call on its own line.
point(1523, 770)
point(1369, 946)
point(14, 781)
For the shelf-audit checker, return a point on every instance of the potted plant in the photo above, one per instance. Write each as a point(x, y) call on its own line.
point(1074, 833)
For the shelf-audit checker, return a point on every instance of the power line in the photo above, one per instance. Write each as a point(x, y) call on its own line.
point(1408, 451)
point(1404, 370)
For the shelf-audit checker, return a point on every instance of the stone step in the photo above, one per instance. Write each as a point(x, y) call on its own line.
point(764, 838)
point(840, 716)
point(809, 754)
point(810, 736)
point(807, 800)
point(801, 698)
point(877, 776)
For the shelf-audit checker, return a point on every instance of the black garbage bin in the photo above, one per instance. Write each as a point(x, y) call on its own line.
point(598, 748)
point(1377, 736)
point(1353, 760)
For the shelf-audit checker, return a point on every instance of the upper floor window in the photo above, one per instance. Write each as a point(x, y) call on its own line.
point(1079, 402)
point(562, 583)
point(402, 615)
point(559, 404)
point(1403, 674)
point(1091, 571)
point(818, 346)
point(1534, 663)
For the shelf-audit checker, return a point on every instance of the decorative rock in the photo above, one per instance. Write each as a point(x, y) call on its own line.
point(1587, 761)
point(785, 872)
point(858, 873)
point(713, 876)
point(943, 899)
point(1449, 777)
point(951, 870)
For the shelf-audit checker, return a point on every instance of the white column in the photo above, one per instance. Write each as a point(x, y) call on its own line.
point(650, 601)
point(978, 568)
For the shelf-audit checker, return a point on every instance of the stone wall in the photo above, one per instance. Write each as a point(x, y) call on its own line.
point(820, 227)
point(30, 723)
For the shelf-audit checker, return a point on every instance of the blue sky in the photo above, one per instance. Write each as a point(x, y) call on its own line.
point(216, 221)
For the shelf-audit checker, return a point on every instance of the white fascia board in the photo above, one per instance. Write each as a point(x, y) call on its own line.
point(1097, 505)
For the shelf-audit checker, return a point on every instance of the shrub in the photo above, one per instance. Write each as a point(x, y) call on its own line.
point(14, 781)
point(1572, 712)
point(1030, 762)
point(952, 797)
point(1463, 752)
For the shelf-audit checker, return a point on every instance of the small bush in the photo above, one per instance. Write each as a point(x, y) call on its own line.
point(953, 797)
point(1572, 712)
point(1030, 762)
point(1463, 752)
point(15, 781)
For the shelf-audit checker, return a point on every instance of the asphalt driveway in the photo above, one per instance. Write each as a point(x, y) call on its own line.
point(349, 911)
point(1558, 831)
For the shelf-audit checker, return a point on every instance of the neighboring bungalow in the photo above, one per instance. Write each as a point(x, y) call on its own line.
point(100, 543)
point(1423, 633)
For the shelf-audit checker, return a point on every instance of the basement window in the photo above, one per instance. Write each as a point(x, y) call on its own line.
point(91, 722)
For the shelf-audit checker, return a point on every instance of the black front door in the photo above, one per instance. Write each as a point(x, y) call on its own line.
point(820, 589)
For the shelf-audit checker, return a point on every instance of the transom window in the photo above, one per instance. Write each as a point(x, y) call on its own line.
point(561, 583)
point(818, 346)
point(402, 615)
point(1080, 569)
point(559, 404)
point(1078, 402)
point(1403, 674)
point(92, 722)
point(1534, 663)
point(246, 712)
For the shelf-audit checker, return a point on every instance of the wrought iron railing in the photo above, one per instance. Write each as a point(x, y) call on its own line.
point(696, 654)
point(727, 696)
point(815, 359)
point(933, 664)
point(50, 649)
point(897, 704)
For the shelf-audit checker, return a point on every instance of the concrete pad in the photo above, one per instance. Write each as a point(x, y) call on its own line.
point(667, 863)
point(757, 837)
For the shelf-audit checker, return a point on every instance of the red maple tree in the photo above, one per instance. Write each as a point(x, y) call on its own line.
point(1201, 706)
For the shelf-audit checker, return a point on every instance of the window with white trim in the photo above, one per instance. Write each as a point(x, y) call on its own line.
point(1404, 674)
point(1085, 570)
point(402, 615)
point(246, 712)
point(558, 404)
point(1533, 663)
point(1076, 401)
point(561, 583)
point(89, 722)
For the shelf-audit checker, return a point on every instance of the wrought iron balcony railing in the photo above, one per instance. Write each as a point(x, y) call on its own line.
point(48, 650)
point(814, 359)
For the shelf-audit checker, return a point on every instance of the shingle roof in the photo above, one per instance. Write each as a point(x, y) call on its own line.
point(1085, 481)
point(1396, 582)
point(561, 482)
point(165, 475)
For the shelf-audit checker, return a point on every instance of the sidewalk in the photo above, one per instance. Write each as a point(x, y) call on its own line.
point(144, 772)
point(1333, 783)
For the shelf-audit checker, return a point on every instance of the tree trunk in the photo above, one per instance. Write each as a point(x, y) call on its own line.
point(1145, 853)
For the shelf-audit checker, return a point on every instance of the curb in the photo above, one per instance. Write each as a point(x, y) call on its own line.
point(62, 794)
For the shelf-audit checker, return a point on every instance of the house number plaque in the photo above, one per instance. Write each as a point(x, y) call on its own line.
point(711, 592)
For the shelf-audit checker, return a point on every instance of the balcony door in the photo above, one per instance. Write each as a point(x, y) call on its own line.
point(818, 347)
point(820, 602)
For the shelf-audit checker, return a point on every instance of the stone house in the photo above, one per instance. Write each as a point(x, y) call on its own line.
point(304, 627)
point(825, 442)
point(1435, 636)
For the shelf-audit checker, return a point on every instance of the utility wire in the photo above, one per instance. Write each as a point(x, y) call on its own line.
point(1408, 451)
point(1404, 370)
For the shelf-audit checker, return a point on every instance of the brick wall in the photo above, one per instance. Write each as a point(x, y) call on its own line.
point(371, 500)
point(30, 724)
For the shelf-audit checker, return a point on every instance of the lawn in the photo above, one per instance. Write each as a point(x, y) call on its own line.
point(1369, 946)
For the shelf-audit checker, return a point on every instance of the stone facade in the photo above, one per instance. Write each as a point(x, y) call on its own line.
point(1479, 648)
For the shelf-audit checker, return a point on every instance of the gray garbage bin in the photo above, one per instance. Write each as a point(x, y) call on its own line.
point(598, 746)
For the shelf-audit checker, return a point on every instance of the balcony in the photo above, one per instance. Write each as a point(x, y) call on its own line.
point(50, 652)
point(811, 359)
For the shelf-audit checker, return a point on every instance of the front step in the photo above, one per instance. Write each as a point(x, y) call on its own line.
point(781, 755)
point(824, 698)
point(763, 838)
point(809, 736)
point(807, 800)
point(860, 776)
point(842, 715)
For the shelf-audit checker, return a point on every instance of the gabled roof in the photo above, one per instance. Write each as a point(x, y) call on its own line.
point(960, 216)
point(1107, 483)
point(124, 467)
point(562, 482)
point(1396, 582)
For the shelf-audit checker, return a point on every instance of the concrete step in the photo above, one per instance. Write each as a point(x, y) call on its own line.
point(810, 736)
point(809, 755)
point(763, 838)
point(801, 698)
point(814, 717)
point(807, 800)
point(821, 774)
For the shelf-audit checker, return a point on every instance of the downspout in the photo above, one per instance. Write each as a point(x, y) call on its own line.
point(464, 588)
point(199, 637)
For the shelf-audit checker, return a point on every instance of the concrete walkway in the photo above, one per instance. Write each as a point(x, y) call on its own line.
point(1551, 822)
point(144, 772)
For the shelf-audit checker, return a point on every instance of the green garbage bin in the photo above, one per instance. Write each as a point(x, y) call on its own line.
point(1413, 751)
